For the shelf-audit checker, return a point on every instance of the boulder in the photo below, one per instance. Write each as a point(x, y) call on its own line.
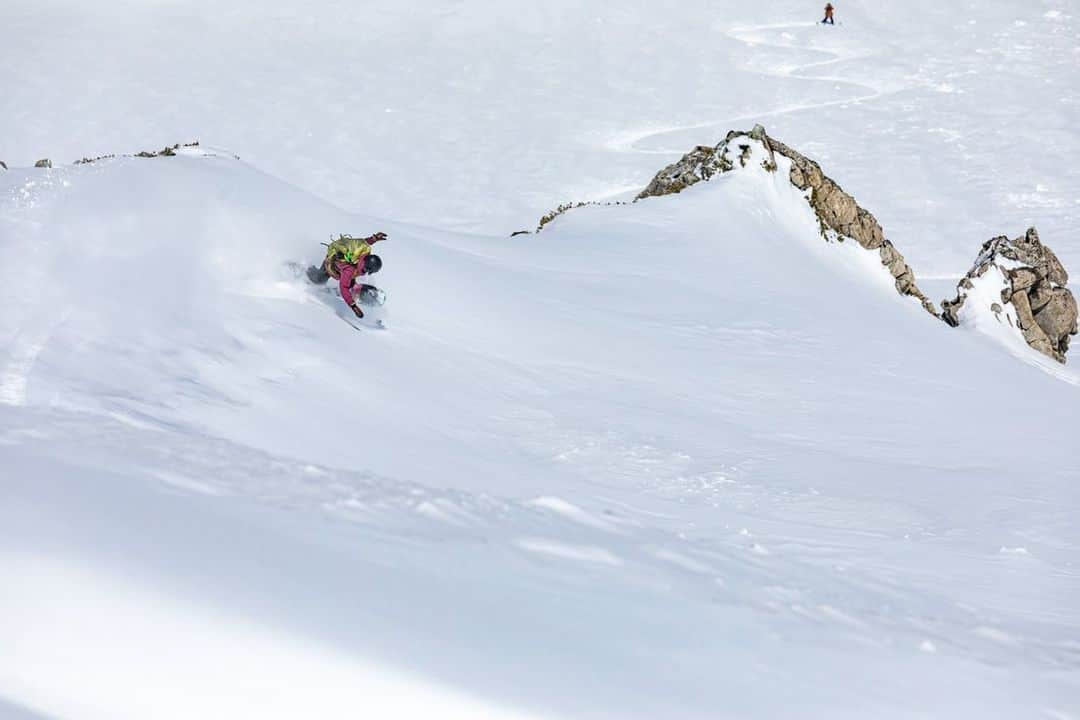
point(1039, 296)
point(43, 163)
point(1031, 282)
point(1058, 318)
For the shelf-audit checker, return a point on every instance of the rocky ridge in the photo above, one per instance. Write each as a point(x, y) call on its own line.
point(1032, 282)
point(167, 151)
point(839, 216)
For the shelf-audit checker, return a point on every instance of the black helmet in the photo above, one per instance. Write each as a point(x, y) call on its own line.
point(372, 264)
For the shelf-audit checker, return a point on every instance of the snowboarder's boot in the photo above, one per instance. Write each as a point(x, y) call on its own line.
point(318, 275)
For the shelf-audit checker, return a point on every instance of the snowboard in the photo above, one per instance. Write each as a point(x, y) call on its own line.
point(370, 297)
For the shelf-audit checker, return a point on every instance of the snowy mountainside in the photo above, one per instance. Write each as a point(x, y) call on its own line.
point(559, 443)
point(680, 458)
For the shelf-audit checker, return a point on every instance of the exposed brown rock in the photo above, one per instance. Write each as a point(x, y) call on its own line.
point(1023, 278)
point(1046, 311)
point(1039, 296)
point(557, 212)
point(89, 160)
point(168, 151)
point(839, 215)
point(1058, 318)
point(837, 210)
point(699, 164)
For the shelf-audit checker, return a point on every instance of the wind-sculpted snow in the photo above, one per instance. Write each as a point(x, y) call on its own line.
point(566, 467)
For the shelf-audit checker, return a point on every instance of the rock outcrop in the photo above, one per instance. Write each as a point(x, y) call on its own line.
point(1029, 281)
point(89, 160)
point(167, 151)
point(1025, 290)
point(839, 216)
point(564, 208)
point(3, 165)
point(43, 163)
point(699, 164)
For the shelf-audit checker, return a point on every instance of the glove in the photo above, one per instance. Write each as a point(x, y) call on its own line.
point(357, 311)
point(377, 237)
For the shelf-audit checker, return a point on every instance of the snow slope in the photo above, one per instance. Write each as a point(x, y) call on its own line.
point(560, 440)
point(675, 459)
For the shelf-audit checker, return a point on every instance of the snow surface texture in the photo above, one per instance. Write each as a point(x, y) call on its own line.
point(675, 459)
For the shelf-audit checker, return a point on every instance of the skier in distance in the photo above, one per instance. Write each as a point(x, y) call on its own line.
point(829, 15)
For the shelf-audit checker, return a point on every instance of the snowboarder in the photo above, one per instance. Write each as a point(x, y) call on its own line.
point(347, 259)
point(829, 14)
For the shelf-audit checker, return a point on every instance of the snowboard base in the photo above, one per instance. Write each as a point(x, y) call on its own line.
point(371, 295)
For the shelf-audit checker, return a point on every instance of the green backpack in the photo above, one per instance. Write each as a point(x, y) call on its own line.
point(348, 248)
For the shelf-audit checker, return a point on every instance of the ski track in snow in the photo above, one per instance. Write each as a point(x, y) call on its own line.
point(23, 352)
point(24, 349)
point(750, 35)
